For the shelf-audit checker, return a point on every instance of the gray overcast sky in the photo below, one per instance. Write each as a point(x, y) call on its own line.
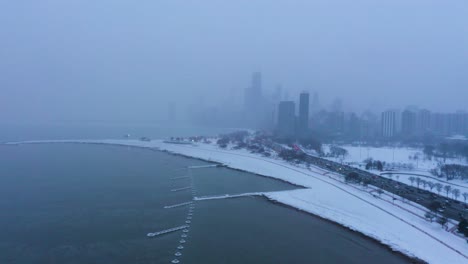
point(124, 60)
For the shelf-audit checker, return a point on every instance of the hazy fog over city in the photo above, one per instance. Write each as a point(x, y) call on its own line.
point(241, 131)
point(128, 61)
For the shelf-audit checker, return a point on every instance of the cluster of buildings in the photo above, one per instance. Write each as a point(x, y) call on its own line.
point(303, 117)
point(296, 119)
point(289, 125)
point(275, 113)
point(417, 122)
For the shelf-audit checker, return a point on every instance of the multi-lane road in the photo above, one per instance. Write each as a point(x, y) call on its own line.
point(451, 208)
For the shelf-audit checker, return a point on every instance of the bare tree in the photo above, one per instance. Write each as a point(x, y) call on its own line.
point(424, 183)
point(412, 179)
point(431, 185)
point(418, 181)
point(438, 187)
point(447, 189)
point(465, 196)
point(456, 193)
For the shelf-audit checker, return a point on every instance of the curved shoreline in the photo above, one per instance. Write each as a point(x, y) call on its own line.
point(411, 259)
point(406, 254)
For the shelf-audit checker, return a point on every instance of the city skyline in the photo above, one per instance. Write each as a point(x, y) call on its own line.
point(127, 62)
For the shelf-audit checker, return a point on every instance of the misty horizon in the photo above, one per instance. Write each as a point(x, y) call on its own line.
point(117, 61)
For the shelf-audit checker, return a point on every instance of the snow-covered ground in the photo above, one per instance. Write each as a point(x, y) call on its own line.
point(357, 154)
point(399, 226)
point(404, 177)
point(421, 166)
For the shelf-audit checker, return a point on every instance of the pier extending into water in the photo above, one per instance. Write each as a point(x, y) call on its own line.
point(177, 205)
point(166, 231)
point(204, 166)
point(181, 189)
point(226, 196)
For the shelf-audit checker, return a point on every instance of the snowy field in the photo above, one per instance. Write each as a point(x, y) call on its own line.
point(356, 156)
point(400, 226)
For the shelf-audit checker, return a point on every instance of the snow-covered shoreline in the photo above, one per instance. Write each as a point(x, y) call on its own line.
point(328, 198)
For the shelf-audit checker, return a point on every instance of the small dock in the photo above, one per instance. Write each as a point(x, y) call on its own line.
point(177, 205)
point(181, 189)
point(203, 166)
point(227, 196)
point(166, 231)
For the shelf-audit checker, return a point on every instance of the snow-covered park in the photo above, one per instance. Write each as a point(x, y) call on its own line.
point(357, 155)
point(407, 162)
point(399, 225)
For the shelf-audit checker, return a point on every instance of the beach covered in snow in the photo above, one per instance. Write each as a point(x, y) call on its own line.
point(399, 225)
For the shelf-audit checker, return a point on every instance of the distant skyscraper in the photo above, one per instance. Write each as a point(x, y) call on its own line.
point(445, 124)
point(370, 126)
point(257, 83)
point(286, 119)
point(389, 126)
point(459, 122)
point(253, 94)
point(423, 121)
point(336, 122)
point(303, 113)
point(254, 105)
point(353, 129)
point(408, 122)
point(440, 123)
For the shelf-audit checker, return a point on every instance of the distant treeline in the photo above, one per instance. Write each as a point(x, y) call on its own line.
point(458, 149)
point(451, 171)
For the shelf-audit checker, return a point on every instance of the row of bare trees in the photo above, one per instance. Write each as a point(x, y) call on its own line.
point(439, 187)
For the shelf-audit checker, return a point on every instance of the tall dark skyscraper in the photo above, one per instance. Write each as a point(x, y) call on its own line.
point(303, 125)
point(255, 113)
point(257, 84)
point(286, 119)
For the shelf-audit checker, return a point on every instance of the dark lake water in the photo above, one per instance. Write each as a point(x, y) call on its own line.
point(99, 130)
point(76, 203)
